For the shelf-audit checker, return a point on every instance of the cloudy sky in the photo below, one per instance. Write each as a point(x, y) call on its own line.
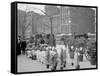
point(31, 7)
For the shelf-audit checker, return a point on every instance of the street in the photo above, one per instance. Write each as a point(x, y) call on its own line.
point(26, 64)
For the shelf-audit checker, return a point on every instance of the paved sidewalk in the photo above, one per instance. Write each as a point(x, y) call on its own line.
point(25, 64)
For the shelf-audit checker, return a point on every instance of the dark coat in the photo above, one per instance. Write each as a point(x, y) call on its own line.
point(23, 45)
point(18, 48)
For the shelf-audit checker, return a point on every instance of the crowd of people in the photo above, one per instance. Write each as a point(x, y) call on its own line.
point(46, 50)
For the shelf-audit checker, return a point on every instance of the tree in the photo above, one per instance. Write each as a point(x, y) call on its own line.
point(51, 38)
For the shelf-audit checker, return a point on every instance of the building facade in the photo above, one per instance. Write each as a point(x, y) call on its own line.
point(64, 20)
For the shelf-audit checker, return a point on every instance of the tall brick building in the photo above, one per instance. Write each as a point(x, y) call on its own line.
point(82, 20)
point(60, 18)
point(72, 19)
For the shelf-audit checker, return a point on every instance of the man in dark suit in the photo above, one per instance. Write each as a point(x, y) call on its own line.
point(18, 47)
point(23, 46)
